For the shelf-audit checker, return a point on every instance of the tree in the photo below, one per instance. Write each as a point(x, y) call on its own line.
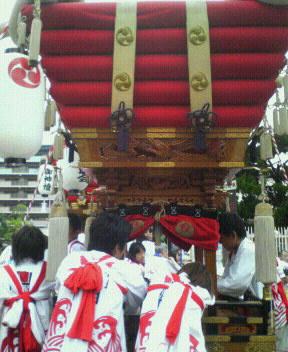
point(11, 223)
point(276, 188)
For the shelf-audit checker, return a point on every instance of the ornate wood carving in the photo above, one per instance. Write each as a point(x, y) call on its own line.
point(175, 148)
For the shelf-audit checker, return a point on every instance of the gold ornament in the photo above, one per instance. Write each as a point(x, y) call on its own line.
point(215, 347)
point(122, 82)
point(199, 82)
point(197, 35)
point(260, 347)
point(124, 36)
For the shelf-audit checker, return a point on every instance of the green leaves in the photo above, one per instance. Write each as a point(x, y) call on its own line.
point(11, 223)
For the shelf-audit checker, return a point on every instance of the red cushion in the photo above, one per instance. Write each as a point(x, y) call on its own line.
point(159, 15)
point(166, 41)
point(225, 92)
point(163, 67)
point(160, 116)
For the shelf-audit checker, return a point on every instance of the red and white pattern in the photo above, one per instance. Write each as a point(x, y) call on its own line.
point(25, 298)
point(24, 75)
point(107, 330)
point(160, 317)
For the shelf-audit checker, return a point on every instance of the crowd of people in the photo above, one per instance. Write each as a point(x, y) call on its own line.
point(115, 284)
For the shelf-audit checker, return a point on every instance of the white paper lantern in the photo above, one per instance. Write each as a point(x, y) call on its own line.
point(46, 179)
point(74, 179)
point(22, 108)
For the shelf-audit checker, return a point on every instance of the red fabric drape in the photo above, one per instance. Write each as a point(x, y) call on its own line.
point(162, 67)
point(140, 224)
point(165, 41)
point(159, 15)
point(159, 116)
point(225, 92)
point(248, 40)
point(201, 232)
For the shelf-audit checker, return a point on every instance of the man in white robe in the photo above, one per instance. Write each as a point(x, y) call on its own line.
point(93, 287)
point(171, 313)
point(239, 271)
point(25, 304)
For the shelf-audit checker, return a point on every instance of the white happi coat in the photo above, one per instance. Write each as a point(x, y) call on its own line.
point(157, 310)
point(121, 283)
point(239, 272)
point(23, 292)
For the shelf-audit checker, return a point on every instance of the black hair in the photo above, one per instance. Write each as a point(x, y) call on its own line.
point(230, 223)
point(75, 222)
point(134, 249)
point(198, 275)
point(107, 231)
point(28, 243)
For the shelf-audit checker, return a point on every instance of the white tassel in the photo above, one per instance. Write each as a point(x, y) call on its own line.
point(53, 113)
point(265, 248)
point(88, 224)
point(21, 31)
point(58, 230)
point(266, 151)
point(276, 124)
point(35, 38)
point(58, 147)
point(283, 121)
point(285, 84)
point(50, 114)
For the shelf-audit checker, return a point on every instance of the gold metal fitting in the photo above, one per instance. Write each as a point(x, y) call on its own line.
point(122, 82)
point(124, 36)
point(199, 81)
point(197, 35)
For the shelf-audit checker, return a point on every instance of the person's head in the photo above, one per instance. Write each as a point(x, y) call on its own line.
point(136, 253)
point(28, 243)
point(232, 231)
point(161, 250)
point(148, 235)
point(175, 253)
point(109, 233)
point(198, 275)
point(75, 226)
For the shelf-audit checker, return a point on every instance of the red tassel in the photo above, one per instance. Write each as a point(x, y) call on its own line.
point(89, 279)
point(174, 323)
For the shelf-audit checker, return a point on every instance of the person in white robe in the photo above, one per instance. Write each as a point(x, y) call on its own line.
point(25, 303)
point(280, 305)
point(172, 311)
point(6, 255)
point(239, 272)
point(94, 285)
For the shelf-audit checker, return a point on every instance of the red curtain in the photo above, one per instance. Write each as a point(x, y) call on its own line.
point(140, 224)
point(200, 232)
point(182, 230)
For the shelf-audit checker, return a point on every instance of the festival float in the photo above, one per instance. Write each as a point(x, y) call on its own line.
point(160, 99)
